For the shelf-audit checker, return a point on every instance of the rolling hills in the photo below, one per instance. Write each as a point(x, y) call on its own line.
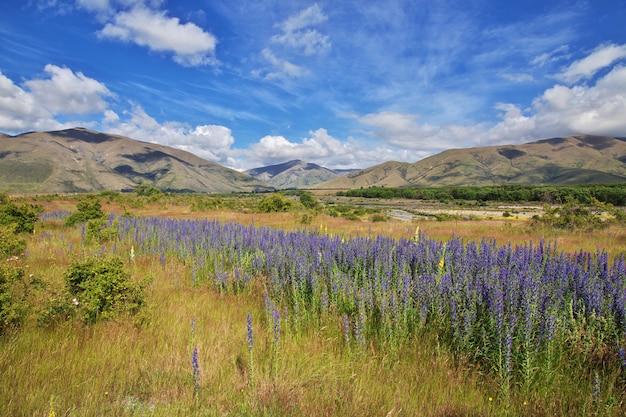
point(557, 161)
point(82, 160)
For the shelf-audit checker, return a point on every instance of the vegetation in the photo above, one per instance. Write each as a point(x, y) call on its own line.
point(275, 203)
point(238, 312)
point(614, 194)
point(88, 208)
point(22, 217)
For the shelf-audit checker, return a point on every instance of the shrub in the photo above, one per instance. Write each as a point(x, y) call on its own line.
point(10, 243)
point(86, 209)
point(275, 203)
point(573, 216)
point(97, 230)
point(24, 216)
point(13, 295)
point(308, 200)
point(100, 288)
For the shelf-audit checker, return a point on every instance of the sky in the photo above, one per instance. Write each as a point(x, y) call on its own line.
point(341, 83)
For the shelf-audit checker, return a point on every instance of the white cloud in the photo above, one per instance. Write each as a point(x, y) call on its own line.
point(587, 67)
point(297, 34)
point(153, 29)
point(597, 109)
point(558, 54)
point(94, 5)
point(36, 106)
point(210, 142)
point(66, 92)
point(559, 110)
point(322, 149)
point(281, 68)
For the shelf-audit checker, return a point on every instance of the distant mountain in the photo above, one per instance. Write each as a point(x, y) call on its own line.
point(571, 160)
point(81, 160)
point(293, 174)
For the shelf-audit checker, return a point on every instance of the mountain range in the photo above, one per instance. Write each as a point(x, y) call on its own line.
point(82, 160)
point(557, 161)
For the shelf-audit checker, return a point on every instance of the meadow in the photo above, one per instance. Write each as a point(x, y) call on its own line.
point(303, 312)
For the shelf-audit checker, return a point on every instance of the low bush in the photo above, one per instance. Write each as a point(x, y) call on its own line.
point(13, 295)
point(99, 288)
point(86, 209)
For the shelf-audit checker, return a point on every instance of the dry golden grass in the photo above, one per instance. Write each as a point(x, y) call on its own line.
point(118, 368)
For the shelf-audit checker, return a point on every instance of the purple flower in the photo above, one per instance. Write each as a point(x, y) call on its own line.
point(195, 365)
point(250, 334)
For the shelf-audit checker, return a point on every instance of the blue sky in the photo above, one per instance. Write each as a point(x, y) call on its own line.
point(345, 84)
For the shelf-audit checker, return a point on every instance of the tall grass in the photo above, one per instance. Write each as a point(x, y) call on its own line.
point(366, 326)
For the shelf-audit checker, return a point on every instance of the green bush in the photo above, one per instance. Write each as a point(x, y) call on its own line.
point(308, 200)
point(13, 295)
point(23, 216)
point(98, 231)
point(86, 209)
point(100, 288)
point(10, 243)
point(275, 203)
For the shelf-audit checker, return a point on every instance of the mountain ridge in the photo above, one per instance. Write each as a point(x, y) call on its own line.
point(554, 161)
point(82, 160)
point(293, 174)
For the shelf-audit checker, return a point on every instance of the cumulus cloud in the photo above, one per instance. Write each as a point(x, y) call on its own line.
point(36, 105)
point(67, 92)
point(297, 34)
point(598, 109)
point(323, 149)
point(210, 142)
point(153, 29)
point(587, 67)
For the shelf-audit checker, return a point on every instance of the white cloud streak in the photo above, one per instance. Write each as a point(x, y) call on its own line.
point(585, 68)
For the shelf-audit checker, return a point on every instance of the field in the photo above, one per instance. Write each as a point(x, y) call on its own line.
point(307, 312)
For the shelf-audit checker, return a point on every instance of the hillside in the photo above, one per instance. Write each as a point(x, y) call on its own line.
point(292, 174)
point(81, 160)
point(558, 161)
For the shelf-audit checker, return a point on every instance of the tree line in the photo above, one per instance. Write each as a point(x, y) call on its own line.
point(614, 194)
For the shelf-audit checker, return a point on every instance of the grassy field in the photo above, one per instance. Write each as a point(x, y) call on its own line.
point(201, 349)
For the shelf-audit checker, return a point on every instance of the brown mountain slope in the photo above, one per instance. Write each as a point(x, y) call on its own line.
point(571, 160)
point(81, 160)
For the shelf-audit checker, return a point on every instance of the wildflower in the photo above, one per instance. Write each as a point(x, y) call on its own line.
point(196, 370)
point(75, 301)
point(276, 322)
point(595, 388)
point(250, 334)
